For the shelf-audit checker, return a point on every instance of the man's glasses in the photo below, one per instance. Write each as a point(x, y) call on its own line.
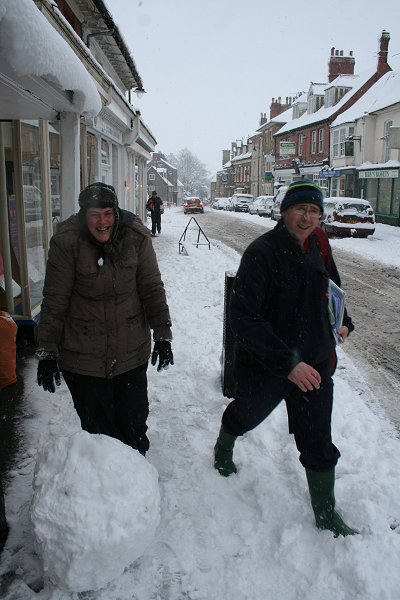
point(312, 212)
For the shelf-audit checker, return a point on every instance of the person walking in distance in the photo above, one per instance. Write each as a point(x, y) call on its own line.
point(154, 204)
point(102, 296)
point(285, 347)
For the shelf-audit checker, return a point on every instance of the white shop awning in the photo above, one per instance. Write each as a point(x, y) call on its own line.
point(40, 75)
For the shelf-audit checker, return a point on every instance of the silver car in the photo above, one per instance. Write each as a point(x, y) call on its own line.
point(262, 206)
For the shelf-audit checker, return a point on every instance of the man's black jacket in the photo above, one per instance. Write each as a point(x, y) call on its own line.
point(279, 306)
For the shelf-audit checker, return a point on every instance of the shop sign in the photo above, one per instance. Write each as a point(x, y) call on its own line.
point(312, 170)
point(107, 129)
point(287, 148)
point(332, 173)
point(268, 176)
point(379, 174)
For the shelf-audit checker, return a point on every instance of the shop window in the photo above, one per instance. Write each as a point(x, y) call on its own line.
point(371, 192)
point(34, 207)
point(55, 170)
point(90, 158)
point(105, 152)
point(334, 186)
point(7, 143)
point(396, 198)
point(384, 197)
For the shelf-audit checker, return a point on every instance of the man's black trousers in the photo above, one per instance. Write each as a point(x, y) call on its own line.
point(117, 407)
point(155, 223)
point(309, 415)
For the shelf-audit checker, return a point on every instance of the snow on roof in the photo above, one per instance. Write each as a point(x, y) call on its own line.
point(283, 117)
point(242, 157)
point(32, 47)
point(342, 81)
point(390, 164)
point(301, 98)
point(325, 112)
point(384, 93)
point(318, 89)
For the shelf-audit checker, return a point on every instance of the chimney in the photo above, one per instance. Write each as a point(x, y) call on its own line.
point(274, 109)
point(340, 64)
point(383, 66)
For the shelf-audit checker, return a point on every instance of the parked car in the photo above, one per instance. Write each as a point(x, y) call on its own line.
point(221, 203)
point(241, 202)
point(276, 207)
point(262, 206)
point(348, 217)
point(192, 205)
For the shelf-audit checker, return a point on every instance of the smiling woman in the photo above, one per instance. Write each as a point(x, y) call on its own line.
point(100, 223)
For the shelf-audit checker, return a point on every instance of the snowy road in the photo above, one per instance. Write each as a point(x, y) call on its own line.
point(373, 300)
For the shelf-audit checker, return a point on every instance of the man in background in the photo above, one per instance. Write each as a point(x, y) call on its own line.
point(154, 204)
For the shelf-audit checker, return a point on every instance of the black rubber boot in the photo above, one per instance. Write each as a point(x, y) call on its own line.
point(223, 452)
point(321, 486)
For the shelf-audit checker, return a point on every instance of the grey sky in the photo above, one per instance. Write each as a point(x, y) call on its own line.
point(210, 67)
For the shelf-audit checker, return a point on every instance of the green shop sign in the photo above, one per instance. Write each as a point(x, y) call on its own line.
point(379, 174)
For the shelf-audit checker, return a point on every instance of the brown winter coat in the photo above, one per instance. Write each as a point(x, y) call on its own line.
point(101, 301)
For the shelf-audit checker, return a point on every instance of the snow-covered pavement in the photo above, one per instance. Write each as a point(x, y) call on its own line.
point(251, 536)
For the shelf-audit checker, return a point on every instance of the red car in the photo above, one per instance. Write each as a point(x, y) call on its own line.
point(192, 205)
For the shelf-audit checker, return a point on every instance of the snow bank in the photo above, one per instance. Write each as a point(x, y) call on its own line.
point(95, 509)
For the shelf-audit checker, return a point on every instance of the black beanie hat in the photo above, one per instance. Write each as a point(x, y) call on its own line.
point(98, 195)
point(303, 191)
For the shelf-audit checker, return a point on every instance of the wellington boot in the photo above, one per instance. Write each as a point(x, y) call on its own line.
point(223, 452)
point(321, 486)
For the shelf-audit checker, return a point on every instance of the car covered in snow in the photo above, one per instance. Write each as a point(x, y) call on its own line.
point(276, 207)
point(241, 202)
point(262, 206)
point(221, 204)
point(348, 217)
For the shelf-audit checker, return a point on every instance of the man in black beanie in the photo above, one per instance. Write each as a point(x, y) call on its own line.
point(285, 347)
point(102, 296)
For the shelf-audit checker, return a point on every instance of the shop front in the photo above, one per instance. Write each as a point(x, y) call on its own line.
point(39, 108)
point(380, 186)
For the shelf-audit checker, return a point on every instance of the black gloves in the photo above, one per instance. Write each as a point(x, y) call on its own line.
point(162, 350)
point(48, 374)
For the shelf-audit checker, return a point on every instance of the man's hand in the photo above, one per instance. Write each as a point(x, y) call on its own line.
point(164, 352)
point(343, 331)
point(305, 377)
point(48, 374)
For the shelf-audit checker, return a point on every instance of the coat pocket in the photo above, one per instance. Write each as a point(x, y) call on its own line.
point(80, 336)
point(137, 331)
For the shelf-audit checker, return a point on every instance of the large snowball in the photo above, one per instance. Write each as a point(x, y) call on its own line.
point(95, 509)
